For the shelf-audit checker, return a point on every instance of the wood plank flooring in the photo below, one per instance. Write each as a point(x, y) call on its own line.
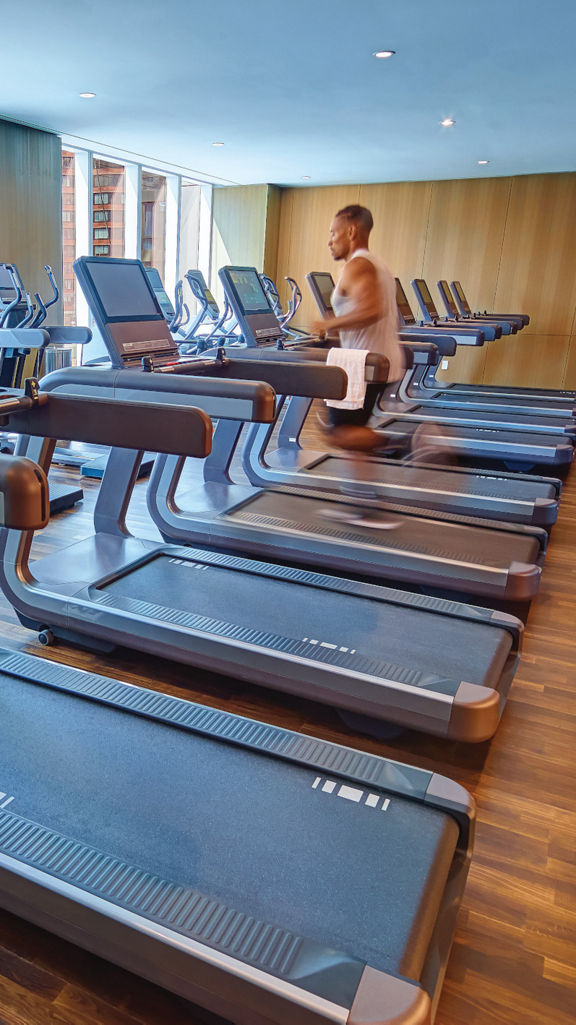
point(514, 955)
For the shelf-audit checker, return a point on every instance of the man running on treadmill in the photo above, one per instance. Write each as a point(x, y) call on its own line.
point(366, 317)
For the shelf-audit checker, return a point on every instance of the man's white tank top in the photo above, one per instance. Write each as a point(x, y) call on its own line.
point(382, 336)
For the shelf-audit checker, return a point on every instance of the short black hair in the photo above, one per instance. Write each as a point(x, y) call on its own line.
point(359, 215)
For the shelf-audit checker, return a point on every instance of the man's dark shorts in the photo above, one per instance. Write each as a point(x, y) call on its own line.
point(356, 417)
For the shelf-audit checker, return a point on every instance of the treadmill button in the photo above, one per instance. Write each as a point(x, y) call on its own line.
point(350, 793)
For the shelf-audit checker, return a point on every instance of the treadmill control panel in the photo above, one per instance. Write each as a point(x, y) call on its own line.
point(258, 322)
point(126, 310)
point(322, 287)
point(406, 315)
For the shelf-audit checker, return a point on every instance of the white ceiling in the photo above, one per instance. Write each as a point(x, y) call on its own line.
point(292, 89)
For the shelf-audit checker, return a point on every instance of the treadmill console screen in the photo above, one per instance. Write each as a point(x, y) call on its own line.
point(448, 298)
point(123, 289)
point(251, 295)
point(403, 304)
point(160, 292)
point(458, 288)
point(428, 300)
point(325, 287)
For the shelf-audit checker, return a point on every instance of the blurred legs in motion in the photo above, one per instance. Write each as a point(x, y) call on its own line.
point(429, 445)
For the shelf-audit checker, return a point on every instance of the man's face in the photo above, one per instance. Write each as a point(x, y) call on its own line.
point(339, 242)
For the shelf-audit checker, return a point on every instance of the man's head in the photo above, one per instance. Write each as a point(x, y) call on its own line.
point(350, 230)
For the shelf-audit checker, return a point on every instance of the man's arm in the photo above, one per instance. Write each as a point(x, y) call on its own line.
point(360, 283)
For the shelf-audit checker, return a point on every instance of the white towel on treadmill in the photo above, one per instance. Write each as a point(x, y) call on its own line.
point(353, 361)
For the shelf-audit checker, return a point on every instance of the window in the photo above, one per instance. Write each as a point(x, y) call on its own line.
point(110, 176)
point(153, 220)
point(69, 235)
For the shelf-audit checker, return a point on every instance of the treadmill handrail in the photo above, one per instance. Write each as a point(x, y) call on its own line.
point(24, 489)
point(376, 367)
point(422, 352)
point(446, 344)
point(257, 398)
point(143, 425)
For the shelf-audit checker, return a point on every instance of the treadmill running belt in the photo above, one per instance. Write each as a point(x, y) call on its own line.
point(462, 543)
point(360, 635)
point(244, 828)
point(420, 477)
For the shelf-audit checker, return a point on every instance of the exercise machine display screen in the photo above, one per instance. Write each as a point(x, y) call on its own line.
point(251, 295)
point(325, 286)
point(443, 286)
point(123, 290)
point(425, 291)
point(403, 304)
point(460, 291)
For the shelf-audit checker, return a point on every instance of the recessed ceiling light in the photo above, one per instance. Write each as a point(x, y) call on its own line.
point(382, 54)
point(217, 143)
point(448, 122)
point(305, 178)
point(482, 162)
point(87, 96)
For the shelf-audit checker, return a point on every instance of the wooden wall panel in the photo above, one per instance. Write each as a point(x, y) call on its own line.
point(272, 231)
point(465, 234)
point(31, 206)
point(238, 229)
point(464, 241)
point(400, 212)
point(538, 267)
point(535, 361)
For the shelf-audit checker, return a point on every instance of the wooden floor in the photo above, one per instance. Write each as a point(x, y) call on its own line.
point(514, 956)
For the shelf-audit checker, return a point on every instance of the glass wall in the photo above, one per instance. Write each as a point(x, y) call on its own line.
point(153, 220)
point(68, 237)
point(108, 197)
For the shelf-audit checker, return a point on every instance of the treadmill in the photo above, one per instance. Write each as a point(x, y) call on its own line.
point(430, 315)
point(515, 322)
point(232, 906)
point(498, 563)
point(376, 654)
point(532, 404)
point(166, 304)
point(558, 394)
point(465, 311)
point(554, 398)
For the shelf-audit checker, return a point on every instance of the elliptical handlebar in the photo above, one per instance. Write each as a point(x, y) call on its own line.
point(40, 316)
point(55, 290)
point(295, 300)
point(27, 321)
